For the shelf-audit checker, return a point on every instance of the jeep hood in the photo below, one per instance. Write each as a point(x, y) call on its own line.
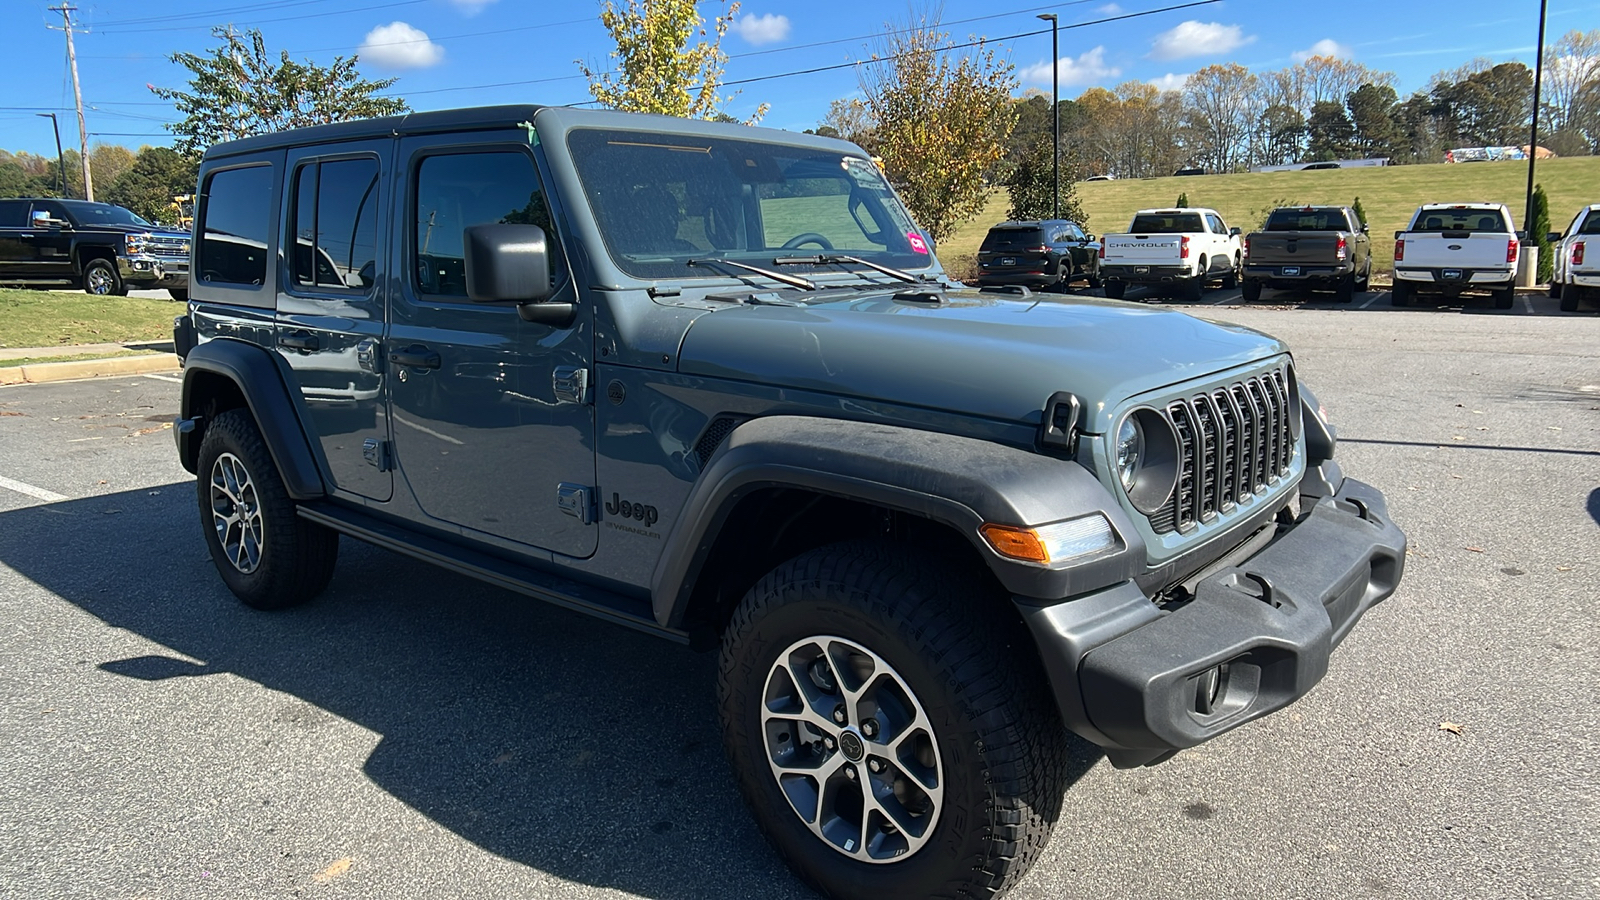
point(978, 354)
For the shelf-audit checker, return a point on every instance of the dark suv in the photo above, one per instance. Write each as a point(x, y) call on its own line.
point(1048, 254)
point(710, 382)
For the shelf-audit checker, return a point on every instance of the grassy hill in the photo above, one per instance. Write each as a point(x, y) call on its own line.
point(1389, 195)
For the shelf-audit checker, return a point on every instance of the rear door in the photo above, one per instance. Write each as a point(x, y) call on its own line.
point(491, 414)
point(330, 304)
point(16, 241)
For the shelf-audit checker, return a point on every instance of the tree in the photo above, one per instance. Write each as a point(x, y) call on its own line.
point(1570, 65)
point(157, 175)
point(1361, 214)
point(658, 69)
point(1489, 107)
point(238, 90)
point(941, 120)
point(1183, 201)
point(850, 120)
point(1375, 132)
point(1328, 131)
point(1281, 135)
point(1539, 231)
point(109, 161)
point(1221, 115)
point(1032, 190)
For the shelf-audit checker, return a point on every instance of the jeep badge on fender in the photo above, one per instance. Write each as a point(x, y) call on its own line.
point(929, 530)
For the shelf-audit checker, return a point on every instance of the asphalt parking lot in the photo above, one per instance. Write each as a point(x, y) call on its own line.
point(413, 734)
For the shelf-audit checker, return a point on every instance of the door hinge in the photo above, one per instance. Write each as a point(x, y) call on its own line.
point(570, 384)
point(378, 453)
point(577, 501)
point(367, 356)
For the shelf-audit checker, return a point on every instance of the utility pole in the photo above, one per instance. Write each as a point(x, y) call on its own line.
point(61, 158)
point(77, 96)
point(1533, 138)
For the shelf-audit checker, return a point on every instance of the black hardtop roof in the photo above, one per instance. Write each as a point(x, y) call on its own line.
point(410, 123)
point(511, 116)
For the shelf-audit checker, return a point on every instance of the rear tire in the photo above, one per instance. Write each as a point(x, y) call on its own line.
point(1505, 297)
point(1116, 289)
point(1251, 291)
point(1401, 294)
point(1191, 290)
point(1570, 297)
point(1345, 291)
point(907, 635)
point(268, 556)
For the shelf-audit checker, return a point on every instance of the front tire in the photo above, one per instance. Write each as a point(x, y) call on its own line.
point(889, 725)
point(100, 278)
point(268, 556)
point(1231, 279)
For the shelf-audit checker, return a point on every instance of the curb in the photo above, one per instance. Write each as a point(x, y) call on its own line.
point(40, 373)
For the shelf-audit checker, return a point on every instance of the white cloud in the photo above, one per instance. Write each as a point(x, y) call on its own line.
point(1324, 47)
point(1170, 82)
point(762, 29)
point(1086, 69)
point(1110, 9)
point(471, 7)
point(399, 46)
point(1194, 38)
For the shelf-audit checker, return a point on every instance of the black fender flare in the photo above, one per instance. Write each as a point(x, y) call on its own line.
point(1321, 438)
point(959, 481)
point(254, 371)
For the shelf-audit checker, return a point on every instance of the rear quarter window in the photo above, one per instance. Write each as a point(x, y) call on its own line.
point(235, 222)
point(13, 213)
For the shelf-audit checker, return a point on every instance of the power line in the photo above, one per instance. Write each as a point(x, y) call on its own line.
point(338, 12)
point(212, 13)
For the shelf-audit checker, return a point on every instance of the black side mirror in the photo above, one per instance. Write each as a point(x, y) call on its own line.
point(511, 263)
point(1553, 237)
point(1233, 232)
point(1364, 228)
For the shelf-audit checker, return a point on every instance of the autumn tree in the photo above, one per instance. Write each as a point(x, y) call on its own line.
point(1033, 188)
point(941, 118)
point(657, 68)
point(238, 89)
point(108, 162)
point(1489, 107)
point(1221, 115)
point(851, 121)
point(157, 175)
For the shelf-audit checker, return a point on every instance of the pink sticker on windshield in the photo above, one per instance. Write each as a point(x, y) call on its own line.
point(918, 245)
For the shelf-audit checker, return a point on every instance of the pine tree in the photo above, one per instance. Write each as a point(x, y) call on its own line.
point(1539, 232)
point(1183, 201)
point(1361, 214)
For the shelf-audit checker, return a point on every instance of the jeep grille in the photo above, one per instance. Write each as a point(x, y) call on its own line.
point(1233, 442)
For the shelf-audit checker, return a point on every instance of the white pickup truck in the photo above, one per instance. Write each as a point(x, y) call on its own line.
point(1173, 248)
point(1577, 260)
point(1451, 248)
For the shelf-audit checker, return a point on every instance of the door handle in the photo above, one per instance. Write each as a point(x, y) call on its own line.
point(301, 340)
point(415, 356)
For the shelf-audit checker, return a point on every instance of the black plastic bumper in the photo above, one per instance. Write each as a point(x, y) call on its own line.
point(1144, 684)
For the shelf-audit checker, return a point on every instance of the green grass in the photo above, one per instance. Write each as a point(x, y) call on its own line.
point(1389, 194)
point(62, 318)
point(31, 360)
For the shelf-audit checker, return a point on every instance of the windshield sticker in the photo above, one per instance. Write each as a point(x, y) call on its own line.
point(918, 245)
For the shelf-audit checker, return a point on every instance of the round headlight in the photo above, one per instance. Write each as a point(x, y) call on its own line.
point(1147, 459)
point(1130, 451)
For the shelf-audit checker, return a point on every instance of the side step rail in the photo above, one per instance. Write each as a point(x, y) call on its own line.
point(601, 604)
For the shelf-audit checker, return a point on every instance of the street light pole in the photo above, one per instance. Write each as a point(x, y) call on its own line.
point(61, 158)
point(1533, 138)
point(1055, 110)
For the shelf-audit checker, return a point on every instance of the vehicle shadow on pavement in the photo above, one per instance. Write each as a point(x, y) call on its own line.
point(1594, 505)
point(582, 749)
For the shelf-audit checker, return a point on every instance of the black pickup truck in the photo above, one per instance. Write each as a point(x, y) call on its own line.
point(101, 248)
point(1309, 247)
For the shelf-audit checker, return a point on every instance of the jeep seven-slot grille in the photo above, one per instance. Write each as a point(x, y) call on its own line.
point(1233, 442)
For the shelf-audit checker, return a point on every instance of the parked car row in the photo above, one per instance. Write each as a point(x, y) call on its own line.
point(101, 248)
point(1447, 250)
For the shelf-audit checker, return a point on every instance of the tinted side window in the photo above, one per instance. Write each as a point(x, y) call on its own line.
point(459, 190)
point(335, 224)
point(235, 219)
point(13, 213)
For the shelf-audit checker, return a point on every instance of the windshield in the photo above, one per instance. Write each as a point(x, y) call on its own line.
point(663, 199)
point(1166, 223)
point(1591, 225)
point(1307, 220)
point(1469, 220)
point(92, 214)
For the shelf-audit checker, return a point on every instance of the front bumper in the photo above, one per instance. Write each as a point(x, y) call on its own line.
point(146, 271)
point(1144, 683)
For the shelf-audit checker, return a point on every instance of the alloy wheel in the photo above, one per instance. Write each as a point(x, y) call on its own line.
point(236, 513)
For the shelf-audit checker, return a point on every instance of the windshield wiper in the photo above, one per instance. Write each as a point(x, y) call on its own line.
point(822, 259)
point(791, 280)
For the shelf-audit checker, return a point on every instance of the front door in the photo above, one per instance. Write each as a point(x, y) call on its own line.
point(482, 435)
point(330, 305)
point(52, 244)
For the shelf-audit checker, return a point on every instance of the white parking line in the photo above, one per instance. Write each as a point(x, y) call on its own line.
point(1372, 300)
point(31, 491)
point(1527, 304)
point(165, 378)
point(428, 431)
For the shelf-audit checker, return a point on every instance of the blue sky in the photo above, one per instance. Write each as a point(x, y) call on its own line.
point(472, 52)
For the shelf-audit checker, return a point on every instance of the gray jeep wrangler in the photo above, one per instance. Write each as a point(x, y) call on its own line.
point(710, 382)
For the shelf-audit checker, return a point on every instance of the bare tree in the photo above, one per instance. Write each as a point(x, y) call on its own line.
point(1221, 115)
point(1570, 65)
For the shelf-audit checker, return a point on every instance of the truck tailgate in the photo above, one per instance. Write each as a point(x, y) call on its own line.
point(1455, 250)
point(1158, 249)
point(1293, 248)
